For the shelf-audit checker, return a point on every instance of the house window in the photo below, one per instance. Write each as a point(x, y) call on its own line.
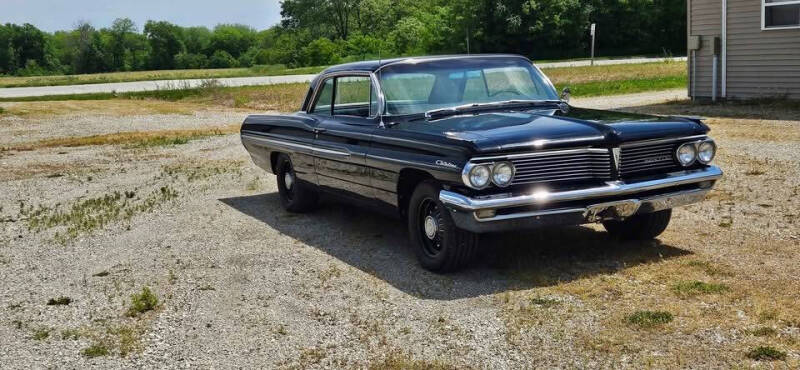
point(780, 14)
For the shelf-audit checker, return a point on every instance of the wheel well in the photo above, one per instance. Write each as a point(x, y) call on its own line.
point(407, 181)
point(273, 160)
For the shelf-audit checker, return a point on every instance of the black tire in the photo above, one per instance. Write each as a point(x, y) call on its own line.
point(640, 227)
point(449, 248)
point(295, 195)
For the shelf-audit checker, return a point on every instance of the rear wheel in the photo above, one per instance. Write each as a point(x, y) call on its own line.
point(440, 246)
point(295, 196)
point(640, 227)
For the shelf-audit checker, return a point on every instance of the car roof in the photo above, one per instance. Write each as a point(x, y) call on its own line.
point(374, 65)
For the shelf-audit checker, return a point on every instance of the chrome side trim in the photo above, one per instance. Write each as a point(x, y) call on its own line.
point(634, 144)
point(612, 188)
point(290, 145)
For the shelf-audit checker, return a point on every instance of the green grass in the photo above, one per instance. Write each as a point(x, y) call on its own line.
point(87, 215)
point(95, 350)
point(766, 353)
point(544, 302)
point(41, 334)
point(601, 88)
point(649, 319)
point(86, 79)
point(763, 331)
point(691, 288)
point(60, 301)
point(142, 302)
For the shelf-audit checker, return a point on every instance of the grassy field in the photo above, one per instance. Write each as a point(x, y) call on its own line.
point(583, 81)
point(97, 78)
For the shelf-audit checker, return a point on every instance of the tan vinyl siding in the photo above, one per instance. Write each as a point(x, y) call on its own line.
point(760, 63)
point(705, 20)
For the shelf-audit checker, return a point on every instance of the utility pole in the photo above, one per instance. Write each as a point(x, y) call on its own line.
point(592, 32)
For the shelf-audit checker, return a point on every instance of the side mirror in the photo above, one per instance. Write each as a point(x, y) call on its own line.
point(565, 94)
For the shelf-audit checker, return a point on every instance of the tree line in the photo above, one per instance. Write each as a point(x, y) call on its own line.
point(322, 32)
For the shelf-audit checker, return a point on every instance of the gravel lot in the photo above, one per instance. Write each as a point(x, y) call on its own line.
point(241, 283)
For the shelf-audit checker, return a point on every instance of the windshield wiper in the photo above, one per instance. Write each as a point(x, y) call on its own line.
point(474, 107)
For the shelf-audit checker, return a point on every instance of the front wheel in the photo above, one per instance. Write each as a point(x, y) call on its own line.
point(295, 196)
point(640, 227)
point(440, 246)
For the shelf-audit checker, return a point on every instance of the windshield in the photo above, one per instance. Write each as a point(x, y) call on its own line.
point(418, 88)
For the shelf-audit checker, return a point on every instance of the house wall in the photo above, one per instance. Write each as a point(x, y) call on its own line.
point(705, 20)
point(760, 63)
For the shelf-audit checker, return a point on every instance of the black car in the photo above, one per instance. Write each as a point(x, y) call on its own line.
point(471, 144)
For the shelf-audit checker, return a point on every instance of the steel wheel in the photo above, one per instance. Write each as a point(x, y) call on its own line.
point(295, 196)
point(438, 243)
point(431, 226)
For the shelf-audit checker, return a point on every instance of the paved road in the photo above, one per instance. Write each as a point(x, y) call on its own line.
point(17, 92)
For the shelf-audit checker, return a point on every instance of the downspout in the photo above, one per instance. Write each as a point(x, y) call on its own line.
point(724, 48)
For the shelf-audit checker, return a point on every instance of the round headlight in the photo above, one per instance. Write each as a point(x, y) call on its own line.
point(686, 154)
point(706, 151)
point(479, 176)
point(502, 173)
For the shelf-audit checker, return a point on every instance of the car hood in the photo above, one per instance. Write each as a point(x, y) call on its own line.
point(555, 128)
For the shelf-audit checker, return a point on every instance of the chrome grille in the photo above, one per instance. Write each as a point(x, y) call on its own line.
point(649, 157)
point(562, 165)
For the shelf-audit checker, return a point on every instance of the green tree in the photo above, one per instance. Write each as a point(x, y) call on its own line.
point(196, 39)
point(120, 31)
point(221, 59)
point(234, 39)
point(165, 42)
point(88, 57)
point(321, 52)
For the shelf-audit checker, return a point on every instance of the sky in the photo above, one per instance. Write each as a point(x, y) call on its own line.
point(54, 15)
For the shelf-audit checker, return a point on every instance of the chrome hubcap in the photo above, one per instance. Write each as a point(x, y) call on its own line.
point(288, 180)
point(430, 227)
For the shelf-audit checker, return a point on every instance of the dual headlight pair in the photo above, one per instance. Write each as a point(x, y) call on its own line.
point(480, 175)
point(701, 151)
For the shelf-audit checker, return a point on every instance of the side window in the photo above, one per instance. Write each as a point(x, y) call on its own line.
point(323, 104)
point(353, 96)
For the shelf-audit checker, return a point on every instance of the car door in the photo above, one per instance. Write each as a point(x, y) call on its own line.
point(347, 121)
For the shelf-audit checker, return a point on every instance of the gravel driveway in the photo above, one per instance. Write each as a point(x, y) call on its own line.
point(241, 283)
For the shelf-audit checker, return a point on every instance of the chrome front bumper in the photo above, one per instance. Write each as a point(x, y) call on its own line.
point(615, 200)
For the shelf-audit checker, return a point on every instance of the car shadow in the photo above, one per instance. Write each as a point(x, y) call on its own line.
point(378, 244)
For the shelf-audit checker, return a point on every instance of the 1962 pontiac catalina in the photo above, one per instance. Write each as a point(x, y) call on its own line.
point(464, 145)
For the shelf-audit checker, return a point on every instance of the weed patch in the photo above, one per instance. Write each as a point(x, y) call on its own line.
point(544, 302)
point(41, 334)
point(649, 319)
point(60, 301)
point(88, 215)
point(763, 331)
point(709, 268)
point(691, 288)
point(766, 353)
point(133, 139)
point(95, 350)
point(71, 334)
point(142, 302)
point(396, 361)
